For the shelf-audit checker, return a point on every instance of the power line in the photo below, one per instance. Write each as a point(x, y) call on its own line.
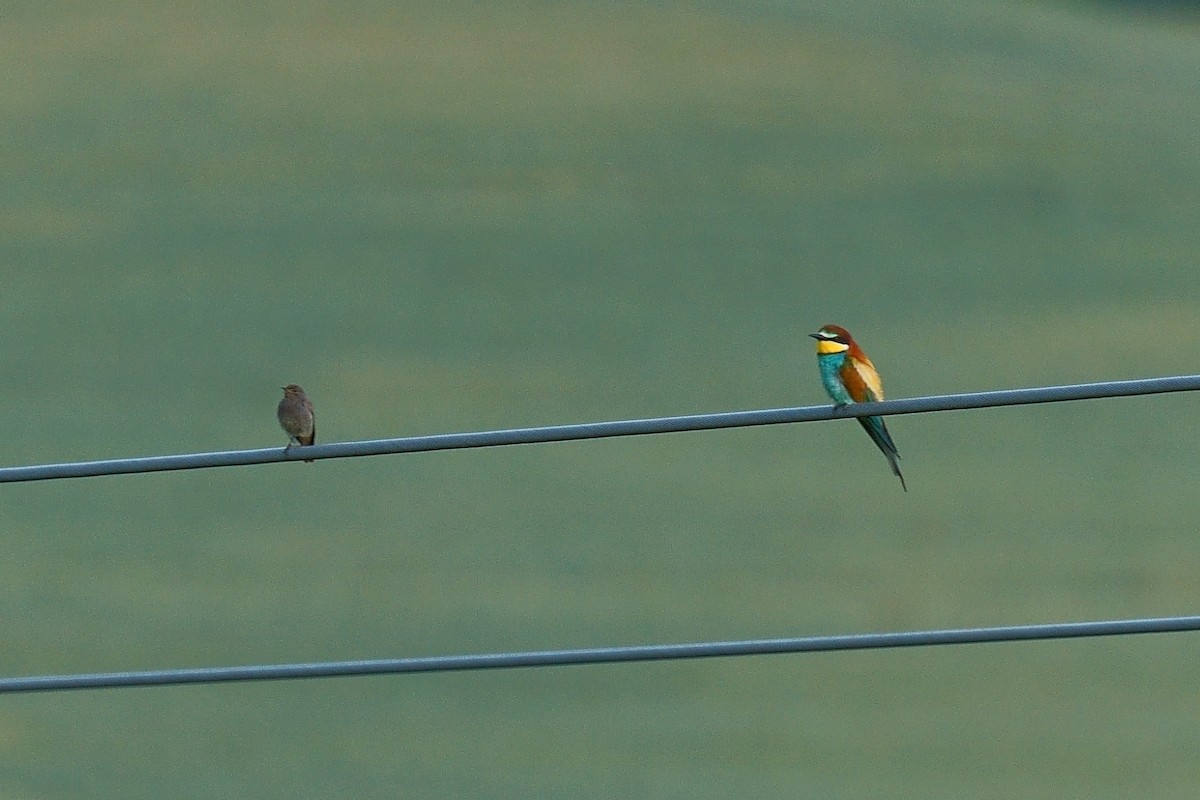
point(598, 430)
point(598, 655)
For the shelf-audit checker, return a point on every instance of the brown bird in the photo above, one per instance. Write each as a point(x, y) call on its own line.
point(295, 414)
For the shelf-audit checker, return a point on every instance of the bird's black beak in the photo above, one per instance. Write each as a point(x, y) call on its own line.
point(815, 335)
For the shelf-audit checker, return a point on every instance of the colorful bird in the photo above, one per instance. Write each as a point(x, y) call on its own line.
point(295, 413)
point(850, 377)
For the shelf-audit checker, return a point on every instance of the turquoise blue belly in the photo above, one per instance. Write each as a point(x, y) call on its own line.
point(830, 366)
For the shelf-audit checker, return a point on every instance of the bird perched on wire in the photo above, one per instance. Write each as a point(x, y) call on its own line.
point(295, 413)
point(850, 377)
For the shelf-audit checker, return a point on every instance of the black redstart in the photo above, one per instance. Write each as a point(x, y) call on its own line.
point(295, 414)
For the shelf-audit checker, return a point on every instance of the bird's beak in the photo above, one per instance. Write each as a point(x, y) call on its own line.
point(815, 335)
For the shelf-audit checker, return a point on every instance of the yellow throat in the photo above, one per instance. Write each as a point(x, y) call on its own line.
point(826, 347)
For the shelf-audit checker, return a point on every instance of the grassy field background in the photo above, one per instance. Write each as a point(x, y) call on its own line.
point(456, 216)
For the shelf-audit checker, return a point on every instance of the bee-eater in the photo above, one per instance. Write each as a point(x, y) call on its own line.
point(850, 377)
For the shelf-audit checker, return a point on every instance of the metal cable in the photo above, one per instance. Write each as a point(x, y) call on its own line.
point(598, 655)
point(597, 430)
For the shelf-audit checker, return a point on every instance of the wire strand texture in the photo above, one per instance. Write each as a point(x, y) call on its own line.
point(598, 655)
point(599, 430)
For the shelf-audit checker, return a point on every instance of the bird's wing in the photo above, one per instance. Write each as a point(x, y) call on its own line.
point(861, 380)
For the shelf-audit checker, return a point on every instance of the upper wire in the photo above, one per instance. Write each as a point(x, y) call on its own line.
point(598, 430)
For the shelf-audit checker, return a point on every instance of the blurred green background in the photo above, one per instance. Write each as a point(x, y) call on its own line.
point(449, 216)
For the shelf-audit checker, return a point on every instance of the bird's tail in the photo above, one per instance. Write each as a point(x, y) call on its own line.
point(883, 440)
